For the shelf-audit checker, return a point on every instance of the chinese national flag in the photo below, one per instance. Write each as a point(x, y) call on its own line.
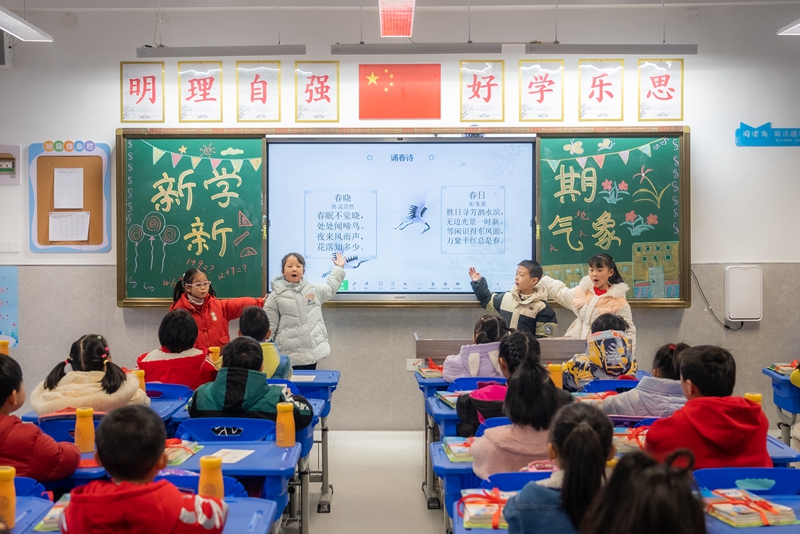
point(399, 91)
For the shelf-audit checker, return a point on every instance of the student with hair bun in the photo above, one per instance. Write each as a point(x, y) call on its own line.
point(482, 358)
point(94, 382)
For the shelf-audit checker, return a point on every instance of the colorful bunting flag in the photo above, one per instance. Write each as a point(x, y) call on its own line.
point(157, 153)
point(175, 159)
point(581, 161)
point(215, 163)
point(256, 163)
point(599, 160)
point(553, 164)
point(196, 161)
point(646, 149)
point(237, 165)
point(624, 155)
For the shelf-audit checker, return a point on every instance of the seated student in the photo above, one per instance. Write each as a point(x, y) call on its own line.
point(94, 382)
point(655, 396)
point(609, 355)
point(241, 389)
point(25, 447)
point(721, 430)
point(177, 361)
point(581, 442)
point(482, 358)
point(254, 323)
point(130, 445)
point(645, 496)
point(525, 307)
point(531, 402)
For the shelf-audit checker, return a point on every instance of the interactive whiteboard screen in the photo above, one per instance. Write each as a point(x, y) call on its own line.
point(410, 217)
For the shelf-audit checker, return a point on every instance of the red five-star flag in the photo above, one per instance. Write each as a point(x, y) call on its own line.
point(399, 91)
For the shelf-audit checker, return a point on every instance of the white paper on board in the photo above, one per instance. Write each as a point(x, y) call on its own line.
point(70, 226)
point(68, 188)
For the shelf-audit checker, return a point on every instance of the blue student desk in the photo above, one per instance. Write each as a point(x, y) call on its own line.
point(782, 455)
point(455, 475)
point(30, 510)
point(249, 515)
point(715, 526)
point(429, 387)
point(786, 397)
point(443, 416)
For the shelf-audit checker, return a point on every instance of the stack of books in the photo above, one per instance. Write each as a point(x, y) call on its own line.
point(740, 508)
point(484, 509)
point(783, 368)
point(629, 439)
point(427, 372)
point(591, 398)
point(50, 521)
point(449, 398)
point(458, 449)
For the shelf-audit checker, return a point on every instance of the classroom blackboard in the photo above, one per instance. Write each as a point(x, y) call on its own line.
point(624, 195)
point(189, 201)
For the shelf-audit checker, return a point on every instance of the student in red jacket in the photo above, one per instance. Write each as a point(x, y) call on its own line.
point(130, 445)
point(24, 446)
point(177, 361)
point(195, 294)
point(721, 430)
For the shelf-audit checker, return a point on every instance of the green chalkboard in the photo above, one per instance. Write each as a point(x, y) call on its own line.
point(627, 196)
point(189, 201)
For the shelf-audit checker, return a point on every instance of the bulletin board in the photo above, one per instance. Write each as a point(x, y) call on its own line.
point(626, 195)
point(96, 197)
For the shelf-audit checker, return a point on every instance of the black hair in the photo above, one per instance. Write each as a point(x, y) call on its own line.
point(254, 323)
point(711, 369)
point(609, 321)
point(582, 436)
point(10, 377)
point(243, 352)
point(604, 260)
point(297, 256)
point(130, 440)
point(188, 278)
point(89, 353)
point(532, 399)
point(534, 268)
point(490, 328)
point(178, 331)
point(645, 496)
point(516, 347)
point(667, 360)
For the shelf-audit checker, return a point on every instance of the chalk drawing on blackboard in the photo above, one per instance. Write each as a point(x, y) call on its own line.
point(230, 151)
point(208, 149)
point(169, 236)
point(136, 234)
point(612, 190)
point(605, 144)
point(638, 224)
point(240, 239)
point(653, 191)
point(574, 147)
point(243, 220)
point(249, 251)
point(416, 212)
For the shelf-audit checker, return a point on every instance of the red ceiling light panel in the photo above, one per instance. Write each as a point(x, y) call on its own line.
point(397, 17)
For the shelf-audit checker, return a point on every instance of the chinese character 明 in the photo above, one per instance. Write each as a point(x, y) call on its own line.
point(258, 90)
point(317, 88)
point(221, 231)
point(600, 84)
point(201, 87)
point(477, 86)
point(541, 85)
point(661, 85)
point(142, 87)
point(564, 227)
point(198, 237)
point(567, 181)
point(225, 185)
point(605, 236)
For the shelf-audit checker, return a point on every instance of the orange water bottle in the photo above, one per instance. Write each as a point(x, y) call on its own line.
point(4, 346)
point(84, 429)
point(139, 373)
point(8, 496)
point(555, 374)
point(755, 397)
point(211, 484)
point(284, 425)
point(213, 355)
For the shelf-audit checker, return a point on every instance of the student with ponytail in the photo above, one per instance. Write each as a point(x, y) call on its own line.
point(94, 382)
point(482, 358)
point(531, 402)
point(581, 444)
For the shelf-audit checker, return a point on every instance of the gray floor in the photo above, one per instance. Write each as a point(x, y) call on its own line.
point(376, 478)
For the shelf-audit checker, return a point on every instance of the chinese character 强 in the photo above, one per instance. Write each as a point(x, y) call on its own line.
point(476, 87)
point(201, 87)
point(258, 90)
point(564, 227)
point(143, 87)
point(605, 236)
point(661, 86)
point(541, 85)
point(600, 84)
point(317, 88)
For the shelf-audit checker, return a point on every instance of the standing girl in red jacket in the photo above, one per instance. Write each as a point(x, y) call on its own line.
point(195, 294)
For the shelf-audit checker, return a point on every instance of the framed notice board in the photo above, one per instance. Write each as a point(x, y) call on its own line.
point(189, 200)
point(626, 195)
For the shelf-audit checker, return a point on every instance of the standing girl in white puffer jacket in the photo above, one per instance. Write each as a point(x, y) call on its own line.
point(294, 309)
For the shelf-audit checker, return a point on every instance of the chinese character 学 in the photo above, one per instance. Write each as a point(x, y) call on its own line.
point(144, 87)
point(477, 86)
point(541, 85)
point(222, 182)
point(604, 233)
point(565, 227)
point(599, 84)
point(317, 88)
point(258, 90)
point(661, 89)
point(200, 89)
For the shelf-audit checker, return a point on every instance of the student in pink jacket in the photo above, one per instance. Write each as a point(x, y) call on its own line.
point(482, 358)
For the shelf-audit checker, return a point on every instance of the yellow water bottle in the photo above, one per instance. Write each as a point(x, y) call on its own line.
point(284, 425)
point(4, 346)
point(8, 496)
point(139, 373)
point(755, 397)
point(84, 429)
point(213, 355)
point(211, 484)
point(555, 374)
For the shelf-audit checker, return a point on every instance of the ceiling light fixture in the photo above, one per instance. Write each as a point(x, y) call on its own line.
point(791, 29)
point(21, 28)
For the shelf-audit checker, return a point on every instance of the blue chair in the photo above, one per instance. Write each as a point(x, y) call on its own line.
point(237, 429)
point(190, 482)
point(758, 480)
point(470, 383)
point(491, 423)
point(283, 382)
point(162, 392)
point(646, 422)
point(599, 386)
point(513, 481)
point(641, 374)
point(28, 487)
point(628, 420)
point(63, 429)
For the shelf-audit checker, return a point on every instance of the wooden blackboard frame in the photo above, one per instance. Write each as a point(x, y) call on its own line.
point(684, 225)
point(122, 135)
